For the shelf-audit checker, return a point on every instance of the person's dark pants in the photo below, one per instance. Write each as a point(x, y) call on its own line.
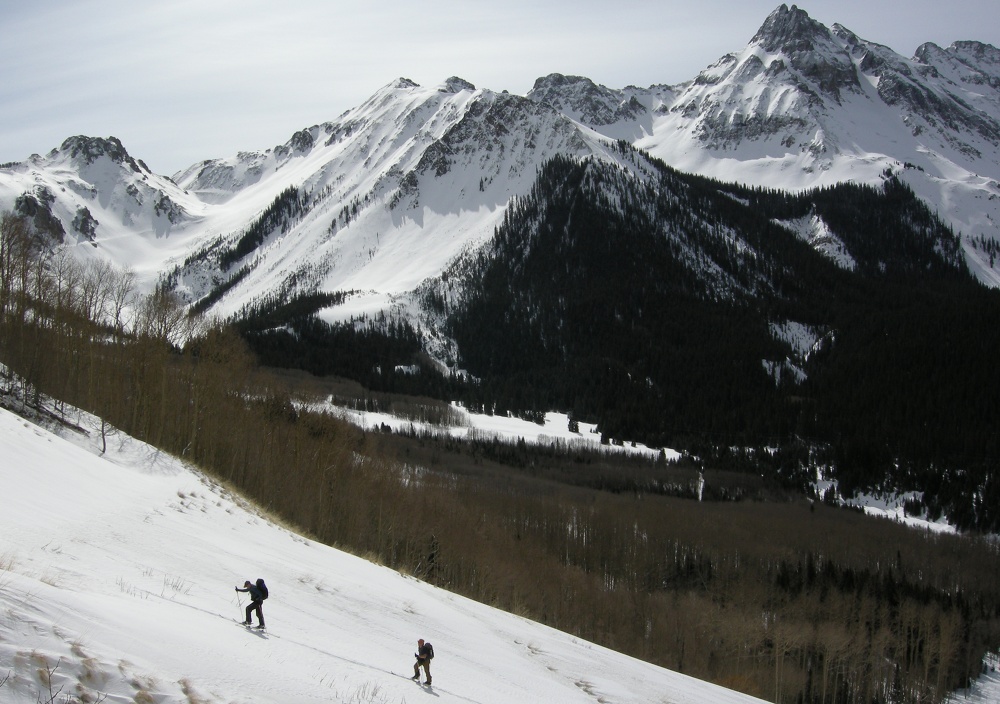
point(426, 664)
point(255, 606)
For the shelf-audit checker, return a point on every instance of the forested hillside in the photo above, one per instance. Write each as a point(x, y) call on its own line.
point(649, 305)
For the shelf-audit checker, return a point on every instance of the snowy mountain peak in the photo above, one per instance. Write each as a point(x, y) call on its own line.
point(456, 85)
point(86, 150)
point(966, 62)
point(583, 100)
point(790, 30)
point(91, 190)
point(984, 55)
point(809, 49)
point(402, 83)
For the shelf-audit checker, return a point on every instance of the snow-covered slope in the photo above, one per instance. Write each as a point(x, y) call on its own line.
point(117, 575)
point(392, 190)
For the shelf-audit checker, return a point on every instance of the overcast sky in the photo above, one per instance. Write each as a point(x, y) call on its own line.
point(179, 81)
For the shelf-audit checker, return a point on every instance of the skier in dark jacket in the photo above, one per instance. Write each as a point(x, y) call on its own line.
point(424, 654)
point(256, 603)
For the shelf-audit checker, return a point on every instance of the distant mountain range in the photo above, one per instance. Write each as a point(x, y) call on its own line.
point(712, 239)
point(393, 189)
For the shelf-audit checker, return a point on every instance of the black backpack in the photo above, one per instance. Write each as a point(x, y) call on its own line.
point(263, 589)
point(430, 651)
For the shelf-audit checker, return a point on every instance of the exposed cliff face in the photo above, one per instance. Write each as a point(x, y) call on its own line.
point(810, 52)
point(87, 150)
point(584, 100)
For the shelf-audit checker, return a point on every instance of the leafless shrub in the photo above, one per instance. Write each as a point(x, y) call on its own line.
point(175, 585)
point(45, 674)
point(368, 693)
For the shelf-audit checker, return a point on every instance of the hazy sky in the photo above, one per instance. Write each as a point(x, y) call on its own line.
point(179, 81)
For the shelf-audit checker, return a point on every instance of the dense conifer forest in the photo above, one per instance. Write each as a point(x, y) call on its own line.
point(752, 587)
